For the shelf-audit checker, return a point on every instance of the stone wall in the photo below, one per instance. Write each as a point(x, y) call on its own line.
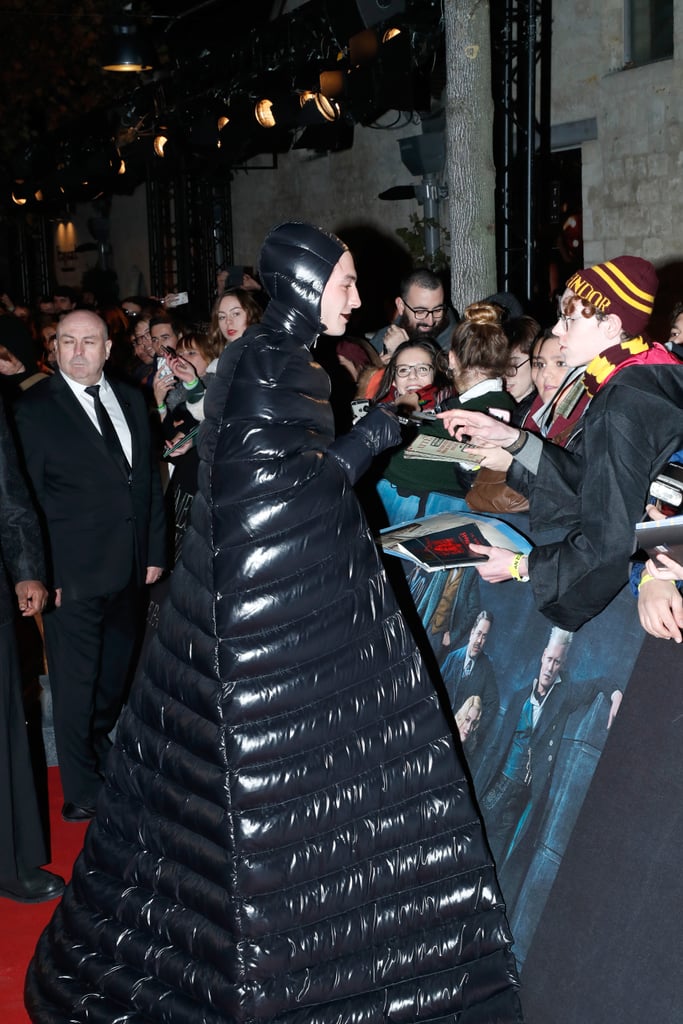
point(632, 173)
point(338, 191)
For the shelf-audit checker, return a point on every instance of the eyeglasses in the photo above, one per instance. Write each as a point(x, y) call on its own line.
point(566, 320)
point(421, 313)
point(420, 370)
point(514, 367)
point(143, 336)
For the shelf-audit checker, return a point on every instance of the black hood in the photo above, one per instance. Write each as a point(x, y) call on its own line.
point(295, 264)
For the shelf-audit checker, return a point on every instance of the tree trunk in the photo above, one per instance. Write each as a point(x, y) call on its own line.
point(469, 151)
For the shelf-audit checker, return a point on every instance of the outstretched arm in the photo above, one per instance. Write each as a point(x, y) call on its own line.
point(478, 429)
point(373, 434)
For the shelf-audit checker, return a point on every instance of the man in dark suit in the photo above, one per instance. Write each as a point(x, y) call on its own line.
point(468, 672)
point(88, 452)
point(22, 843)
point(516, 793)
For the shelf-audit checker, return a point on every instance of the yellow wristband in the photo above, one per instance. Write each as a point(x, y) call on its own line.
point(646, 577)
point(514, 568)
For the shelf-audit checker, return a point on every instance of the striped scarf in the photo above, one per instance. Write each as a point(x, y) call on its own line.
point(633, 352)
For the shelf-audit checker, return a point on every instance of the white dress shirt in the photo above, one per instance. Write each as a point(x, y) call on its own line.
point(111, 404)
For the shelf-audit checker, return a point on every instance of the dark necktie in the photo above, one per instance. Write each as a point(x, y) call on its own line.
point(111, 438)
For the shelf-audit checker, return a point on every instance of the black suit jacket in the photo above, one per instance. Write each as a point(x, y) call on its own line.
point(481, 683)
point(101, 527)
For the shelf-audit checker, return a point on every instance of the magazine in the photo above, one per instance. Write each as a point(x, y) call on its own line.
point(443, 541)
point(439, 449)
point(663, 536)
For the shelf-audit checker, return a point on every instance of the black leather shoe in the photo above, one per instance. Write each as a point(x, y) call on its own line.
point(72, 812)
point(34, 886)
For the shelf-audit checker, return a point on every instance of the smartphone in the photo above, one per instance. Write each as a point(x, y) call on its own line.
point(163, 369)
point(168, 351)
point(191, 434)
point(179, 299)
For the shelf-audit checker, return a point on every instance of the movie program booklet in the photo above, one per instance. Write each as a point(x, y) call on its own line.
point(662, 536)
point(443, 541)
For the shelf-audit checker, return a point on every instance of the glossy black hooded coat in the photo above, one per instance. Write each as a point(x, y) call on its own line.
point(286, 833)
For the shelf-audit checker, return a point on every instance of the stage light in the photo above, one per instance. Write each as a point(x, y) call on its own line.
point(127, 48)
point(221, 123)
point(263, 112)
point(20, 192)
point(352, 16)
point(160, 143)
point(316, 107)
point(332, 82)
point(294, 109)
point(363, 47)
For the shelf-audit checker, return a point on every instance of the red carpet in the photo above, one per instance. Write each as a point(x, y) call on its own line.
point(22, 923)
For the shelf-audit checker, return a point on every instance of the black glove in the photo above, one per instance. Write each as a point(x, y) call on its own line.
point(374, 433)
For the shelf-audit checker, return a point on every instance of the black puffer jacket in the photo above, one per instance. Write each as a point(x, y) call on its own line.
point(21, 550)
point(286, 833)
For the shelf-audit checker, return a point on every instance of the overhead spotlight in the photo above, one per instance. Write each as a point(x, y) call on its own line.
point(122, 167)
point(390, 82)
point(332, 82)
point(38, 196)
point(127, 47)
point(263, 112)
point(391, 33)
point(282, 112)
point(221, 123)
point(114, 162)
point(363, 47)
point(317, 108)
point(20, 192)
point(160, 142)
point(352, 16)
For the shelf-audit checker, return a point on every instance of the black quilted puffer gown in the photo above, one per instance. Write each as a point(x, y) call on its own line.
point(285, 833)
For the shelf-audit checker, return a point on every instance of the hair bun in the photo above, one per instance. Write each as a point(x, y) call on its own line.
point(483, 313)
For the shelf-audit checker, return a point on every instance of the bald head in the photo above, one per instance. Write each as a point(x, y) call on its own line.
point(82, 346)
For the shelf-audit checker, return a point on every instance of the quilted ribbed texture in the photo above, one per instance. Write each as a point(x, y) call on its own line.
point(286, 833)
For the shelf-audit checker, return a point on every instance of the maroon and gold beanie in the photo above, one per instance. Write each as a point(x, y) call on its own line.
point(626, 286)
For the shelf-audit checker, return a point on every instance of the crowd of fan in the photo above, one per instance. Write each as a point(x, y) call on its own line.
point(494, 358)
